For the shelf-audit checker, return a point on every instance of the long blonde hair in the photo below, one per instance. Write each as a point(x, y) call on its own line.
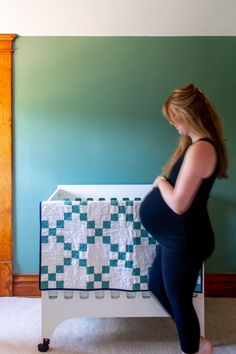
point(196, 110)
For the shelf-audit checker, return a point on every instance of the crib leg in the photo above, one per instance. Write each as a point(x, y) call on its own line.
point(43, 347)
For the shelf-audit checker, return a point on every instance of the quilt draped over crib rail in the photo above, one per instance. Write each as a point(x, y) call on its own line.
point(89, 245)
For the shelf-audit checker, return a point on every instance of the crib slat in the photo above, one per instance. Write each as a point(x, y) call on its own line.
point(130, 295)
point(99, 294)
point(115, 294)
point(68, 294)
point(83, 294)
point(146, 294)
point(52, 294)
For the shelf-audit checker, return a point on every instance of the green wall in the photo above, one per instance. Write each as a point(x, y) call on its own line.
point(87, 110)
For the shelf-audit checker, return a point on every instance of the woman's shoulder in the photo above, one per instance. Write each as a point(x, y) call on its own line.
point(203, 145)
point(202, 154)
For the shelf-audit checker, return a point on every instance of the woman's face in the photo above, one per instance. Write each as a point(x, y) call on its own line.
point(177, 121)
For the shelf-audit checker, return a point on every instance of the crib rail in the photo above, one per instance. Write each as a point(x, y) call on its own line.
point(99, 294)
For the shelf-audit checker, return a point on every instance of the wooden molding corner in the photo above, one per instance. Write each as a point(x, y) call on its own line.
point(26, 285)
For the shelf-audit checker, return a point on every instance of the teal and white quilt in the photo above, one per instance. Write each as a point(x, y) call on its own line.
point(89, 245)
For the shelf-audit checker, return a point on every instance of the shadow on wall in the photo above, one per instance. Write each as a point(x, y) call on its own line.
point(223, 218)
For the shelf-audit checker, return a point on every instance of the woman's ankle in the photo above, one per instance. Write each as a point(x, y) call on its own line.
point(205, 346)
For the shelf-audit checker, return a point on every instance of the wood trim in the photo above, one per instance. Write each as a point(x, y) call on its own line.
point(220, 285)
point(5, 278)
point(6, 164)
point(26, 285)
point(216, 285)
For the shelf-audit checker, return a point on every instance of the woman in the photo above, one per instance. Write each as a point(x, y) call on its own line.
point(175, 211)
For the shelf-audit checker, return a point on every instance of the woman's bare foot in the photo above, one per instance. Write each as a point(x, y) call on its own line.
point(205, 346)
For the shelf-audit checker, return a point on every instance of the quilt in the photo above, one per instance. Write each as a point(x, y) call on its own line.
point(90, 245)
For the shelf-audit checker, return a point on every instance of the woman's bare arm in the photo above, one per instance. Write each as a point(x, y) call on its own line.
point(199, 162)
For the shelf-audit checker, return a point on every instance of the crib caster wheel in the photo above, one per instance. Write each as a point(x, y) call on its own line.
point(43, 347)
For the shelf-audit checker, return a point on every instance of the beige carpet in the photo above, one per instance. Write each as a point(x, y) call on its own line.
point(20, 331)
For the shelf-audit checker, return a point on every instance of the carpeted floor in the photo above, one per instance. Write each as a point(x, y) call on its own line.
point(20, 331)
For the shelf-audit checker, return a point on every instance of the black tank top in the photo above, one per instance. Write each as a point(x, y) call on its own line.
point(189, 232)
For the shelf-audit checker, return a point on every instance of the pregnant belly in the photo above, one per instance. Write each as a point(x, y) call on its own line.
point(157, 218)
point(190, 231)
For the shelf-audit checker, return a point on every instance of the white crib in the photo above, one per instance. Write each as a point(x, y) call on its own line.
point(60, 305)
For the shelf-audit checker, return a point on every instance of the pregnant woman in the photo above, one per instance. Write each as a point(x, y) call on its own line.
point(175, 211)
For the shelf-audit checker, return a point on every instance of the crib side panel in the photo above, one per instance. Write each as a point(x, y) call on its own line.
point(105, 191)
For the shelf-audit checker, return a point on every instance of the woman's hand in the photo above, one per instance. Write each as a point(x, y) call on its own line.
point(158, 180)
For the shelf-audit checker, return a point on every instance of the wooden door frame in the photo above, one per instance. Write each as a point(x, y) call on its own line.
point(6, 258)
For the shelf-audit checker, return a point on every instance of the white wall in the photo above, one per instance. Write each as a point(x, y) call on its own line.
point(118, 17)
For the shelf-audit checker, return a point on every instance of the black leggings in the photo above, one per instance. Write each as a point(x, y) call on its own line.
point(172, 280)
